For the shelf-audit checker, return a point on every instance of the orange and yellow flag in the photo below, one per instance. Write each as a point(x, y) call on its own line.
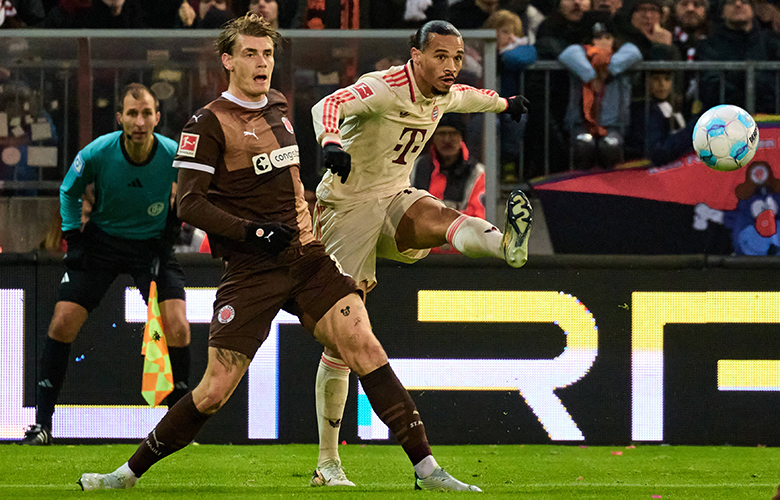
point(158, 376)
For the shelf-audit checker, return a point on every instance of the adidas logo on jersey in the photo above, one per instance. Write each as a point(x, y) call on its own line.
point(135, 184)
point(404, 114)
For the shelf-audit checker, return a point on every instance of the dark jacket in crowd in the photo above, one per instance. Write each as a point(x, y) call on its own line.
point(98, 16)
point(729, 45)
point(665, 139)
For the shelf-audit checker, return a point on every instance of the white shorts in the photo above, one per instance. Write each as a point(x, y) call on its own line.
point(357, 235)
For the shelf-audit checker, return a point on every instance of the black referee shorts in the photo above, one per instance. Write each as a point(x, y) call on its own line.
point(105, 257)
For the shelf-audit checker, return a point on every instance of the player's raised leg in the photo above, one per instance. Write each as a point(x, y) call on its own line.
point(345, 328)
point(428, 223)
point(181, 423)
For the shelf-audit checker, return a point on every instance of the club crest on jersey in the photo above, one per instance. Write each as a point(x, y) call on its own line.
point(226, 314)
point(155, 209)
point(435, 113)
point(188, 145)
point(363, 90)
point(287, 124)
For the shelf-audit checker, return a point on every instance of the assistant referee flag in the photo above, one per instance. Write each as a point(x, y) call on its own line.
point(158, 376)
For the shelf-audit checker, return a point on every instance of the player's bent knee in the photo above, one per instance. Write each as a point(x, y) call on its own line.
point(364, 356)
point(210, 397)
point(67, 321)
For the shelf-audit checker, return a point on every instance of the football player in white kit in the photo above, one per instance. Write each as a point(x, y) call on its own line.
point(365, 205)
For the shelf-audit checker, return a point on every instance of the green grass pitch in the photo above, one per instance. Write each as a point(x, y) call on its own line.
point(383, 472)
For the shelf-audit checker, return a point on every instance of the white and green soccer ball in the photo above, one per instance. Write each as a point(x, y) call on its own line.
point(725, 137)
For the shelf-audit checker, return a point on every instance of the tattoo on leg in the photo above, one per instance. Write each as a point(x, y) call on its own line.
point(229, 358)
point(358, 321)
point(345, 311)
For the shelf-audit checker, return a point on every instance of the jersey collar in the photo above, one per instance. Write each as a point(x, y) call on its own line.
point(414, 91)
point(245, 104)
point(148, 159)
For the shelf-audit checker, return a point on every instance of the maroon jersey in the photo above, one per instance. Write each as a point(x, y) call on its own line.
point(239, 162)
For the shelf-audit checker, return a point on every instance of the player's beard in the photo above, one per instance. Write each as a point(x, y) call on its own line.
point(440, 92)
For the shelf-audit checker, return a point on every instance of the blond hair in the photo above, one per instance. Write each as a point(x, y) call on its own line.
point(247, 25)
point(501, 18)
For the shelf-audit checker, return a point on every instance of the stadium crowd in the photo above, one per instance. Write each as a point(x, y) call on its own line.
point(591, 114)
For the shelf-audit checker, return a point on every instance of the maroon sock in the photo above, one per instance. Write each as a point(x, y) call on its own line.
point(392, 403)
point(176, 430)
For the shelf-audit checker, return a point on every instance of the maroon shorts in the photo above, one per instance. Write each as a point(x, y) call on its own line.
point(303, 281)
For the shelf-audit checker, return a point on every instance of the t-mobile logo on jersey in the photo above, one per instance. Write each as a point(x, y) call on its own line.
point(404, 148)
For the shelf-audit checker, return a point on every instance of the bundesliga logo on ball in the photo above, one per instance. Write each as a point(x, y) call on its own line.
point(725, 137)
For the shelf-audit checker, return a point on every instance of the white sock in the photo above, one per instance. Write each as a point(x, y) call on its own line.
point(125, 470)
point(475, 237)
point(425, 467)
point(331, 391)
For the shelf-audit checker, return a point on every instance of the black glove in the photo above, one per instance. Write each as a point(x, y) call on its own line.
point(172, 231)
point(74, 257)
point(271, 237)
point(337, 160)
point(518, 106)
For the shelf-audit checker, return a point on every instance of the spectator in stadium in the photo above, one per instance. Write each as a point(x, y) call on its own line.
point(267, 9)
point(767, 15)
point(599, 100)
point(126, 234)
point(21, 13)
point(244, 190)
point(95, 14)
point(160, 14)
point(739, 39)
point(514, 54)
point(365, 205)
point(570, 24)
point(609, 6)
point(639, 22)
point(210, 14)
point(662, 135)
point(280, 13)
point(472, 14)
point(345, 16)
point(530, 16)
point(689, 26)
point(447, 171)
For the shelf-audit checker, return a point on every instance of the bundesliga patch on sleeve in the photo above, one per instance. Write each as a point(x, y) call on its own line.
point(188, 145)
point(363, 90)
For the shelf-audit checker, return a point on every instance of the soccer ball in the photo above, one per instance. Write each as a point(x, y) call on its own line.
point(725, 137)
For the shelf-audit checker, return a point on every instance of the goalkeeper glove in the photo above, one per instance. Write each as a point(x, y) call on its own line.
point(270, 237)
point(517, 106)
point(337, 160)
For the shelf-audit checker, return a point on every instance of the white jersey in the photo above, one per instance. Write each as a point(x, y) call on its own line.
point(386, 123)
